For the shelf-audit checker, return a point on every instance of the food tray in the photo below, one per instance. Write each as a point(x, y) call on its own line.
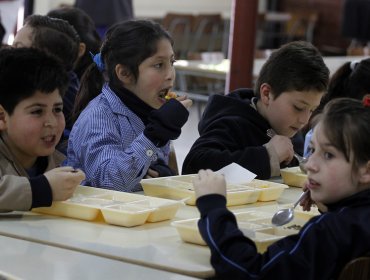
point(118, 208)
point(181, 188)
point(254, 224)
point(293, 176)
point(269, 190)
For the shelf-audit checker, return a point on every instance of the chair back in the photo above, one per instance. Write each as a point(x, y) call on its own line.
point(357, 269)
point(180, 28)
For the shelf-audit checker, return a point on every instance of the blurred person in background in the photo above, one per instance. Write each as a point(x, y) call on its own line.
point(85, 27)
point(106, 13)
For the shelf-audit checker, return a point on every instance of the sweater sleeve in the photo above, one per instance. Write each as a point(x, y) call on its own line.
point(22, 194)
point(224, 142)
point(234, 256)
point(15, 193)
point(41, 192)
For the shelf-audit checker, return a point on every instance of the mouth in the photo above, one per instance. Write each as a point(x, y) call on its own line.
point(163, 93)
point(295, 129)
point(49, 140)
point(312, 184)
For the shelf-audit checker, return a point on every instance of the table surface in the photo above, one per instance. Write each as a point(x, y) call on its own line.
point(22, 259)
point(155, 245)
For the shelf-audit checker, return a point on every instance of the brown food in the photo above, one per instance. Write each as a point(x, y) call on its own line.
point(296, 227)
point(170, 95)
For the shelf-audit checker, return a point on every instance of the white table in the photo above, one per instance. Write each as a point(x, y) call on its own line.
point(29, 260)
point(155, 245)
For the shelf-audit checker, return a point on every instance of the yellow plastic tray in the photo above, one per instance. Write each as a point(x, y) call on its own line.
point(181, 188)
point(119, 208)
point(269, 190)
point(126, 215)
point(254, 224)
point(293, 176)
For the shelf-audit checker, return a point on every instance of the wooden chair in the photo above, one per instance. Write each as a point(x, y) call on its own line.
point(275, 28)
point(357, 269)
point(207, 32)
point(180, 28)
point(301, 26)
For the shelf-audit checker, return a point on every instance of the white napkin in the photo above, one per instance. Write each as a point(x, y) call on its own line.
point(234, 174)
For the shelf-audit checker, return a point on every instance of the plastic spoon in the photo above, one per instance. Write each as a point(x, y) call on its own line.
point(284, 216)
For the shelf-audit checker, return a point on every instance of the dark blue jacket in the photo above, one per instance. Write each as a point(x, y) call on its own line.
point(319, 251)
point(232, 131)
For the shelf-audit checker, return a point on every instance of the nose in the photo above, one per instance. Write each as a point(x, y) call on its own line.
point(311, 164)
point(171, 73)
point(50, 120)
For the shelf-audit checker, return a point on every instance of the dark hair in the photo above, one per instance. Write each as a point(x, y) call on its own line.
point(85, 28)
point(55, 36)
point(23, 71)
point(128, 43)
point(346, 123)
point(295, 66)
point(350, 80)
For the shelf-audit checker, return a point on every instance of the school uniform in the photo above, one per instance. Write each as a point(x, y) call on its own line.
point(22, 189)
point(231, 130)
point(319, 251)
point(108, 143)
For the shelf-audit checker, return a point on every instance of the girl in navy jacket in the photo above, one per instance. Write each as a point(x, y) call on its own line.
point(338, 179)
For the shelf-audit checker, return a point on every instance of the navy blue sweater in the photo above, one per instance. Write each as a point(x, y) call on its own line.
point(319, 251)
point(232, 131)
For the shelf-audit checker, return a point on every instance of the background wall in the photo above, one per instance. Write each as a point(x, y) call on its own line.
point(156, 9)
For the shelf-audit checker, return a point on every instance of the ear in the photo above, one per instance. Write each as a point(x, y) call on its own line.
point(123, 74)
point(265, 93)
point(364, 173)
point(3, 118)
point(81, 49)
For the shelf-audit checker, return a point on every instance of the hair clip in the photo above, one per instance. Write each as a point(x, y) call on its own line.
point(366, 100)
point(98, 61)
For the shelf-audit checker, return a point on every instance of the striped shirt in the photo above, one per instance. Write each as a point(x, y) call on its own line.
point(108, 144)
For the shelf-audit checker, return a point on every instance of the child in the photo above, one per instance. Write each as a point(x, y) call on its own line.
point(31, 123)
point(338, 176)
point(234, 128)
point(350, 80)
point(58, 38)
point(85, 27)
point(124, 133)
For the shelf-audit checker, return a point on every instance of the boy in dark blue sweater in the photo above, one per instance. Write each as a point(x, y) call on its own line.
point(233, 127)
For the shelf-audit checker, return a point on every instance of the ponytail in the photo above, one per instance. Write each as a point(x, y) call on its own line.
point(90, 87)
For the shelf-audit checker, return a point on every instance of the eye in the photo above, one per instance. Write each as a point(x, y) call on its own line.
point(328, 155)
point(158, 65)
point(58, 109)
point(298, 108)
point(36, 112)
point(173, 61)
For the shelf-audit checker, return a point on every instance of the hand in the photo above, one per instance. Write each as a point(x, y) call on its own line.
point(208, 182)
point(151, 174)
point(63, 181)
point(283, 147)
point(307, 202)
point(185, 101)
